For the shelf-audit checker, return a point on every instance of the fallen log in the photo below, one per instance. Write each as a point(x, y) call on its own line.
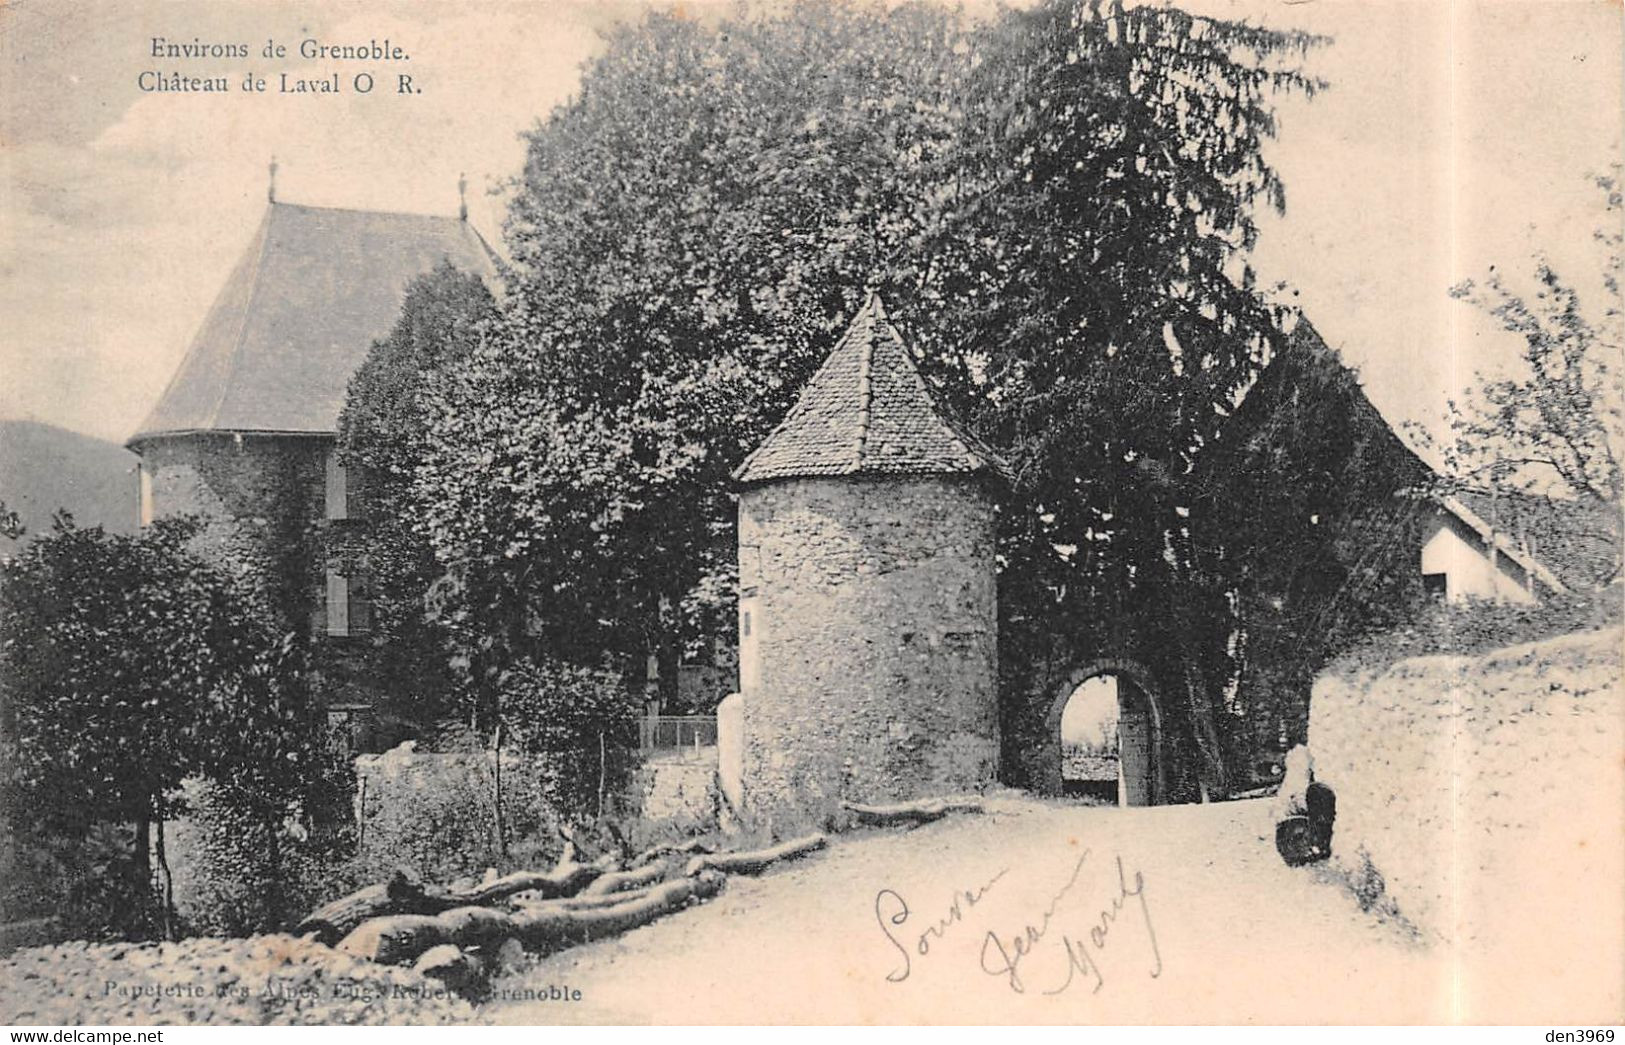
point(334, 920)
point(402, 938)
point(619, 881)
point(755, 860)
point(564, 880)
point(553, 930)
point(579, 902)
point(665, 849)
point(921, 812)
point(457, 969)
point(402, 894)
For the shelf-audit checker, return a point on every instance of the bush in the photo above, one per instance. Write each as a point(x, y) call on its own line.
point(1470, 628)
point(569, 737)
point(434, 814)
point(127, 666)
point(239, 870)
point(580, 724)
point(236, 874)
point(88, 880)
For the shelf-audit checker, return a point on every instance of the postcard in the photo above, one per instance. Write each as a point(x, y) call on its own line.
point(821, 512)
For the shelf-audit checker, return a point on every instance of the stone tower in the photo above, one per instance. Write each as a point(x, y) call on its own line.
point(867, 612)
point(244, 435)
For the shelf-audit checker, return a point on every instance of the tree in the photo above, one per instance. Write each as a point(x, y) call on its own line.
point(383, 440)
point(688, 236)
point(1112, 322)
point(1311, 512)
point(578, 724)
point(1057, 205)
point(126, 665)
point(1554, 427)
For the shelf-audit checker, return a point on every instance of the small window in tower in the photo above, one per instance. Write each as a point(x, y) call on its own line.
point(360, 600)
point(750, 628)
point(145, 508)
point(338, 604)
point(1436, 585)
point(338, 488)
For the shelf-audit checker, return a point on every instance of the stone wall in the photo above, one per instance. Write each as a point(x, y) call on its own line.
point(237, 485)
point(869, 671)
point(678, 790)
point(262, 501)
point(1484, 791)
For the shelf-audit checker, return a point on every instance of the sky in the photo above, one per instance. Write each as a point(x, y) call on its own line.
point(1455, 135)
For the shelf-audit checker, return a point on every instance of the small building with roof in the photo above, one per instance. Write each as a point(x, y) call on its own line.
point(244, 435)
point(868, 616)
point(1468, 547)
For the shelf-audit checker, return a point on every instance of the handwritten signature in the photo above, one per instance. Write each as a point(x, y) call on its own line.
point(1082, 953)
point(891, 910)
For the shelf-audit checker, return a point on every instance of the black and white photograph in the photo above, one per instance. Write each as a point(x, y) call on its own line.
point(1088, 513)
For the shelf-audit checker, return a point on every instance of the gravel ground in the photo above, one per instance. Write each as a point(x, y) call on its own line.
point(1204, 924)
point(265, 979)
point(1036, 912)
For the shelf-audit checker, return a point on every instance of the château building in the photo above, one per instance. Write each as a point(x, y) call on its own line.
point(244, 435)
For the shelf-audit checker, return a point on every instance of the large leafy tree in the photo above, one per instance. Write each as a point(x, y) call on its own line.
point(1057, 204)
point(688, 235)
point(128, 664)
point(1552, 427)
point(383, 439)
point(1111, 321)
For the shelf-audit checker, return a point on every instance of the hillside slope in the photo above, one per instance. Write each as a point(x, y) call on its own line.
point(43, 468)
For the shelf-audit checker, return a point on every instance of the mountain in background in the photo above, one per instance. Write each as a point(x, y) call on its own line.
point(43, 468)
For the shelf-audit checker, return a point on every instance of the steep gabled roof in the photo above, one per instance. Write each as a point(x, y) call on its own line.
point(296, 317)
point(867, 412)
point(1308, 366)
point(1574, 538)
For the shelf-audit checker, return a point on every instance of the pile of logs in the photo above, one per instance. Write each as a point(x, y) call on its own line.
point(453, 934)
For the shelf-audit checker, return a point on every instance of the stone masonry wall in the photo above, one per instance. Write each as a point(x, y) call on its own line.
point(262, 500)
point(1485, 792)
point(874, 621)
point(679, 790)
point(256, 497)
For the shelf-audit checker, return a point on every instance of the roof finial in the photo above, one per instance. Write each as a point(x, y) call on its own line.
point(871, 290)
point(462, 197)
point(270, 189)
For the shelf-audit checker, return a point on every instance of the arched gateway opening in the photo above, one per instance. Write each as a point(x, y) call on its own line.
point(1110, 731)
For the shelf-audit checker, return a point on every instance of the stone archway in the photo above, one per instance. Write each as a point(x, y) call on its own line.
point(1141, 717)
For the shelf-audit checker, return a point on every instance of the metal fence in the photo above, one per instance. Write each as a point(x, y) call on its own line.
point(676, 732)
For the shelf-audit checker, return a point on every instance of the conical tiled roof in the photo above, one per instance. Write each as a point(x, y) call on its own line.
point(867, 412)
point(315, 288)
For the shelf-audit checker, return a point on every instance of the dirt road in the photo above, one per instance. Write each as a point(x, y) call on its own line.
point(1036, 912)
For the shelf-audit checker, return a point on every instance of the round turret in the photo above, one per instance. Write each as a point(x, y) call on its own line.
point(868, 610)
